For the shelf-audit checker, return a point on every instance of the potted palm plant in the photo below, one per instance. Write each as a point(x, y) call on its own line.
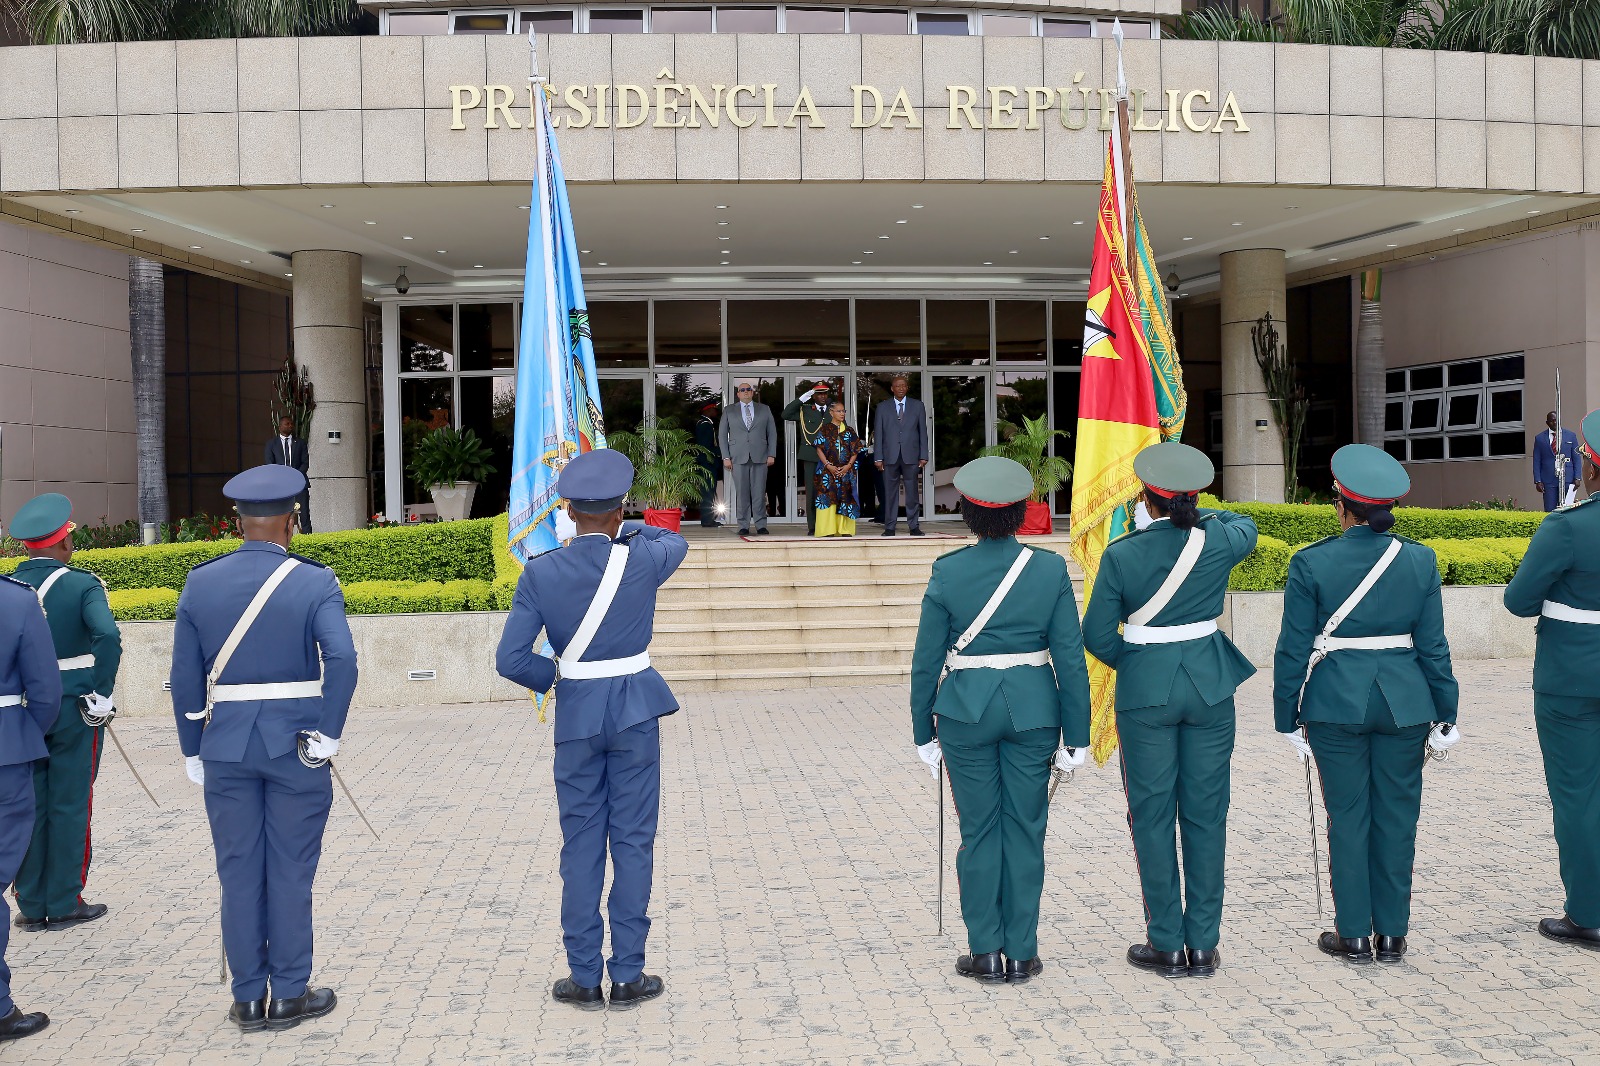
point(1029, 444)
point(451, 462)
point(668, 469)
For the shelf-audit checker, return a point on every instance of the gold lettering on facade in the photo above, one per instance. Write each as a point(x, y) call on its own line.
point(805, 105)
point(769, 93)
point(1230, 113)
point(859, 94)
point(1108, 107)
point(902, 109)
point(1002, 111)
point(577, 98)
point(665, 107)
point(1138, 96)
point(735, 116)
point(500, 99)
point(699, 105)
point(1083, 104)
point(458, 93)
point(962, 97)
point(626, 120)
point(1188, 110)
point(1172, 109)
point(602, 113)
point(1040, 100)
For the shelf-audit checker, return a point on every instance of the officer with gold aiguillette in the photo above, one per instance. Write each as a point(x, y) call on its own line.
point(998, 683)
point(809, 411)
point(88, 649)
point(1362, 665)
point(1559, 582)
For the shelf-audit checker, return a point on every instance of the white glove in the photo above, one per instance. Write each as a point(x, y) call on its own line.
point(321, 747)
point(195, 769)
point(1572, 495)
point(932, 755)
point(566, 528)
point(98, 704)
point(805, 397)
point(1070, 759)
point(1443, 736)
point(1301, 746)
point(1141, 516)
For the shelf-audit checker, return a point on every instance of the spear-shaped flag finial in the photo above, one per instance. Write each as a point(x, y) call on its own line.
point(533, 58)
point(1122, 77)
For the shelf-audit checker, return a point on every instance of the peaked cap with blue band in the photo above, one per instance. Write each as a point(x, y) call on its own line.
point(265, 491)
point(596, 482)
point(1369, 475)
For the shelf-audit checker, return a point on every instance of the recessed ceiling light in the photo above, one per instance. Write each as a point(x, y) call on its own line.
point(855, 262)
point(988, 263)
point(136, 231)
point(1236, 223)
point(194, 247)
point(585, 251)
point(1459, 229)
point(602, 264)
point(368, 222)
point(867, 252)
point(74, 211)
point(327, 205)
point(288, 275)
point(916, 207)
point(1333, 259)
point(1079, 222)
point(724, 223)
point(883, 236)
point(523, 207)
point(477, 266)
point(1186, 238)
point(1292, 207)
point(405, 238)
point(441, 251)
point(1535, 212)
point(899, 222)
point(1013, 251)
point(724, 238)
point(1044, 238)
point(722, 207)
point(246, 262)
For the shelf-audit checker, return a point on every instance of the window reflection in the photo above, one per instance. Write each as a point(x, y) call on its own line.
point(877, 21)
point(958, 332)
point(688, 332)
point(1019, 331)
point(488, 408)
point(817, 20)
point(960, 429)
point(1066, 332)
point(616, 21)
point(620, 330)
point(488, 341)
point(888, 332)
point(940, 24)
point(427, 339)
point(1064, 395)
point(789, 332)
point(680, 20)
point(747, 20)
point(426, 404)
point(544, 21)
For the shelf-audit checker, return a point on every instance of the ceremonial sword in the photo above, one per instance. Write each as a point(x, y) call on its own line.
point(1316, 856)
point(938, 786)
point(94, 719)
point(305, 757)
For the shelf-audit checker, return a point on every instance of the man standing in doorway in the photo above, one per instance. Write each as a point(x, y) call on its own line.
point(1547, 456)
point(286, 449)
point(705, 435)
point(900, 435)
point(749, 438)
point(809, 411)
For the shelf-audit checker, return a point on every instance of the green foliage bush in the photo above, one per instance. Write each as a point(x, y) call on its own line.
point(1478, 561)
point(1266, 568)
point(1300, 523)
point(143, 605)
point(162, 566)
point(416, 597)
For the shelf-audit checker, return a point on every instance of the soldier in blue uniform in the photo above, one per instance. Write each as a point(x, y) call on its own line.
point(595, 598)
point(30, 697)
point(246, 688)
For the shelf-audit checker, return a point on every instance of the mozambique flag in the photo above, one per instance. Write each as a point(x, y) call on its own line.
point(1130, 397)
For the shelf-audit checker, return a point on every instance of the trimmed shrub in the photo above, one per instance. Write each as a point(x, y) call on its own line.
point(1266, 568)
point(1480, 561)
point(416, 597)
point(143, 605)
point(506, 568)
point(437, 551)
point(161, 566)
point(1302, 523)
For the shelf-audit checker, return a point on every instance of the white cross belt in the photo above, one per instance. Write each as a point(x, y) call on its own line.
point(1384, 643)
point(1561, 612)
point(954, 661)
point(77, 662)
point(601, 668)
point(1132, 634)
point(11, 701)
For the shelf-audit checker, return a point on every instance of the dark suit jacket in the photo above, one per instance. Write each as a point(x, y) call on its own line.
point(1544, 459)
point(902, 441)
point(299, 457)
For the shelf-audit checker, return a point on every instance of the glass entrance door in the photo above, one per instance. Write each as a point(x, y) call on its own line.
point(959, 411)
point(786, 496)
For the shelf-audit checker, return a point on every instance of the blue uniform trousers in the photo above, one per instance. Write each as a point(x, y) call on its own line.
point(16, 827)
point(267, 817)
point(608, 788)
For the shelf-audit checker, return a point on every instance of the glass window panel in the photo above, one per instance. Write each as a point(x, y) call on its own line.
point(869, 21)
point(1468, 373)
point(1019, 331)
point(1064, 394)
point(1502, 445)
point(1066, 332)
point(1067, 28)
point(815, 20)
point(427, 342)
point(1396, 448)
point(888, 332)
point(681, 397)
point(958, 332)
point(488, 341)
point(414, 23)
point(616, 22)
point(1426, 448)
point(1008, 25)
point(789, 332)
point(960, 429)
point(1424, 414)
point(622, 403)
point(177, 428)
point(1131, 30)
point(1018, 396)
point(620, 330)
point(488, 408)
point(1466, 446)
point(1505, 406)
point(546, 21)
point(941, 24)
point(872, 388)
point(1464, 410)
point(688, 332)
point(1427, 377)
point(426, 404)
point(747, 20)
point(1394, 381)
point(208, 497)
point(1394, 416)
point(680, 20)
point(481, 23)
point(1506, 368)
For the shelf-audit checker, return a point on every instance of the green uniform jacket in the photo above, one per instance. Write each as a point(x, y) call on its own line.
point(1039, 612)
point(1417, 681)
point(80, 623)
point(1562, 565)
point(806, 448)
point(1131, 570)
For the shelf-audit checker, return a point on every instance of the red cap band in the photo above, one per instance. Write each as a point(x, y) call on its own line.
point(984, 503)
point(1165, 494)
point(1587, 450)
point(55, 538)
point(1358, 498)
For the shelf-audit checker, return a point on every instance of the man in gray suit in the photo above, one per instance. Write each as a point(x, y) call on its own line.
point(900, 443)
point(749, 437)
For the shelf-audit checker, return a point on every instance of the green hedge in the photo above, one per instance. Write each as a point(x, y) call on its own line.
point(1265, 569)
point(162, 566)
point(1479, 561)
point(506, 568)
point(143, 605)
point(1302, 523)
point(416, 597)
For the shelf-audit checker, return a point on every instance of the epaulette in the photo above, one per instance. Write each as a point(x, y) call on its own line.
point(306, 560)
point(1325, 540)
point(1402, 538)
point(90, 573)
point(1575, 506)
point(1041, 549)
point(14, 581)
point(1124, 536)
point(948, 554)
point(213, 559)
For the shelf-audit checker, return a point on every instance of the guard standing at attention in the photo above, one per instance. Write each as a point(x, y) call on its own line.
point(998, 682)
point(1363, 667)
point(1165, 585)
point(263, 669)
point(30, 697)
point(1559, 581)
point(88, 649)
point(595, 599)
point(810, 411)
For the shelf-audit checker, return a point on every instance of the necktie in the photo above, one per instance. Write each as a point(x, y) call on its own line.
point(286, 459)
point(749, 415)
point(899, 408)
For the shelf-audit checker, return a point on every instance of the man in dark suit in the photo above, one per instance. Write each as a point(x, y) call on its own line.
point(1546, 456)
point(900, 440)
point(705, 435)
point(286, 449)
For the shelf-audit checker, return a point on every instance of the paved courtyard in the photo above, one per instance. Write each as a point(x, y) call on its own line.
point(794, 917)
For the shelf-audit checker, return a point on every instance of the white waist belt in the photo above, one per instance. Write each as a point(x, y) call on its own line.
point(77, 662)
point(587, 671)
point(281, 690)
point(1133, 634)
point(952, 661)
point(1397, 640)
point(10, 701)
point(1561, 611)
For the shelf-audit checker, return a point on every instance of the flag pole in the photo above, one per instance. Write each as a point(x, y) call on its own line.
point(1124, 149)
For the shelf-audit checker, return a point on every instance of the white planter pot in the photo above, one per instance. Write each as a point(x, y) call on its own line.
point(453, 504)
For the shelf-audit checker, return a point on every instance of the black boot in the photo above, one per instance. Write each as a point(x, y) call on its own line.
point(1356, 950)
point(1204, 963)
point(83, 912)
point(1165, 963)
point(248, 1015)
point(573, 994)
point(1568, 931)
point(990, 966)
point(1019, 970)
point(28, 925)
point(1389, 948)
point(17, 1025)
point(288, 1013)
point(627, 995)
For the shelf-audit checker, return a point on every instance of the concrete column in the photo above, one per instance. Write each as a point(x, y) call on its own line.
point(328, 342)
point(1252, 456)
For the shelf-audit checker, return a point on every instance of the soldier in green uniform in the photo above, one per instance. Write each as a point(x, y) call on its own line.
point(998, 681)
point(88, 648)
point(1559, 582)
point(809, 411)
point(1363, 667)
point(1165, 585)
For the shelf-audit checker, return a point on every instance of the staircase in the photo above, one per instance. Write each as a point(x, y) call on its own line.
point(797, 613)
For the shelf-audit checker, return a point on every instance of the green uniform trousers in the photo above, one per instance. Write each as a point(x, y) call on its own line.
point(1000, 782)
point(1175, 771)
point(1372, 787)
point(1569, 736)
point(50, 880)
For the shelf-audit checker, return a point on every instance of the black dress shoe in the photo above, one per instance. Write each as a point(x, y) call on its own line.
point(1204, 963)
point(887, 533)
point(742, 533)
point(16, 1025)
point(1355, 950)
point(761, 532)
point(573, 994)
point(1389, 948)
point(626, 996)
point(26, 924)
point(989, 966)
point(84, 912)
point(1165, 963)
point(1019, 970)
point(248, 1015)
point(1567, 931)
point(288, 1013)
point(918, 532)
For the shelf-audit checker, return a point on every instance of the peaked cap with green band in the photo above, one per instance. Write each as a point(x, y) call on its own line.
point(1171, 468)
point(1369, 475)
point(994, 481)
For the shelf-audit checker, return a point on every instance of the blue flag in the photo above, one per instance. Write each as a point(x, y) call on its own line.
point(558, 403)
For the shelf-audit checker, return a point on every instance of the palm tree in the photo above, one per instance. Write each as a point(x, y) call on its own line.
point(81, 21)
point(147, 342)
point(1370, 366)
point(1566, 28)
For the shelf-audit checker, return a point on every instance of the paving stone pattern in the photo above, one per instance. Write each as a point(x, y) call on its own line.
point(794, 910)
